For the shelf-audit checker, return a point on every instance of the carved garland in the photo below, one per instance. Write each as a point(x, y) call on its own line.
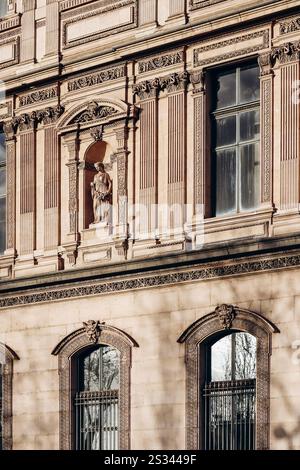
point(7, 356)
point(195, 338)
point(142, 282)
point(93, 332)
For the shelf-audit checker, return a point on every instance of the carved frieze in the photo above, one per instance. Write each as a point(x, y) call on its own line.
point(37, 96)
point(290, 26)
point(97, 78)
point(232, 47)
point(94, 112)
point(287, 52)
point(151, 281)
point(161, 61)
point(28, 121)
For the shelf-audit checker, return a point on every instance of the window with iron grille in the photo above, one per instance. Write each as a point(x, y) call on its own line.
point(96, 401)
point(235, 112)
point(229, 393)
point(2, 192)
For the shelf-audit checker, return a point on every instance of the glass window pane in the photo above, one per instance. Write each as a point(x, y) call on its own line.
point(3, 8)
point(2, 224)
point(2, 148)
point(245, 356)
point(249, 84)
point(100, 369)
point(250, 176)
point(226, 131)
point(226, 181)
point(249, 125)
point(225, 89)
point(2, 182)
point(221, 360)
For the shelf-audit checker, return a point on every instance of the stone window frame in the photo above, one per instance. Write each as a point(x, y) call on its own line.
point(7, 357)
point(195, 337)
point(67, 351)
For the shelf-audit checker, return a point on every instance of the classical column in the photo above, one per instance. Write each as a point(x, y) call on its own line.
point(28, 31)
point(200, 167)
point(147, 12)
point(177, 11)
point(287, 70)
point(266, 125)
point(51, 177)
point(71, 142)
point(148, 95)
point(120, 156)
point(27, 127)
point(10, 189)
point(52, 28)
point(176, 87)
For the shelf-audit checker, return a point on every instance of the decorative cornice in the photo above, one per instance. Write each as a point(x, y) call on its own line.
point(97, 78)
point(10, 22)
point(212, 271)
point(287, 52)
point(161, 61)
point(39, 95)
point(290, 26)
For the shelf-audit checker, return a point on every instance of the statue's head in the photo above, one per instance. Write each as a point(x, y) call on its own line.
point(99, 167)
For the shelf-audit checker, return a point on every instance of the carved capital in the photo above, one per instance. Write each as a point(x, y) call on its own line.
point(147, 89)
point(50, 115)
point(97, 133)
point(197, 79)
point(175, 82)
point(287, 52)
point(93, 330)
point(265, 62)
point(226, 314)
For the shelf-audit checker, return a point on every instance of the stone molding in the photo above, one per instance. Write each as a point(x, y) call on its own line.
point(196, 336)
point(15, 41)
point(38, 96)
point(212, 271)
point(67, 351)
point(160, 61)
point(10, 22)
point(102, 76)
point(7, 356)
point(264, 34)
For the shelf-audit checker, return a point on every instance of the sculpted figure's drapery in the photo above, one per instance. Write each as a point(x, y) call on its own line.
point(101, 191)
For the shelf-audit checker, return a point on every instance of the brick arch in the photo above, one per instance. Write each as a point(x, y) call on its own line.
point(7, 357)
point(67, 350)
point(224, 318)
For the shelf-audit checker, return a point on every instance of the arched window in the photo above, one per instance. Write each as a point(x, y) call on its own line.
point(7, 357)
point(228, 380)
point(228, 393)
point(94, 384)
point(96, 401)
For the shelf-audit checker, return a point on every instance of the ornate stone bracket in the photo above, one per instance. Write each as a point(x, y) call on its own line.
point(93, 330)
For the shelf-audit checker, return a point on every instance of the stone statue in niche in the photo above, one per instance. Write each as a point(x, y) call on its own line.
point(101, 191)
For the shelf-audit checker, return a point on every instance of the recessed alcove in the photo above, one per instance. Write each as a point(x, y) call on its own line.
point(99, 151)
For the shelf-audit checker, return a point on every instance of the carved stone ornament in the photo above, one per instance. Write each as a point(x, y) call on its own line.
point(286, 52)
point(265, 62)
point(97, 133)
point(290, 26)
point(37, 96)
point(93, 330)
point(97, 78)
point(151, 88)
point(93, 112)
point(197, 79)
point(161, 61)
point(29, 121)
point(226, 315)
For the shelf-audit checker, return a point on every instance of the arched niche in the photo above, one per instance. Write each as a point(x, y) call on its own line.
point(99, 151)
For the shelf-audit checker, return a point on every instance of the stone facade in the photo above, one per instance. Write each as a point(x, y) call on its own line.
point(135, 95)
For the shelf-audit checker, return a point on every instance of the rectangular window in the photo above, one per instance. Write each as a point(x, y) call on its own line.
point(3, 8)
point(235, 139)
point(2, 193)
